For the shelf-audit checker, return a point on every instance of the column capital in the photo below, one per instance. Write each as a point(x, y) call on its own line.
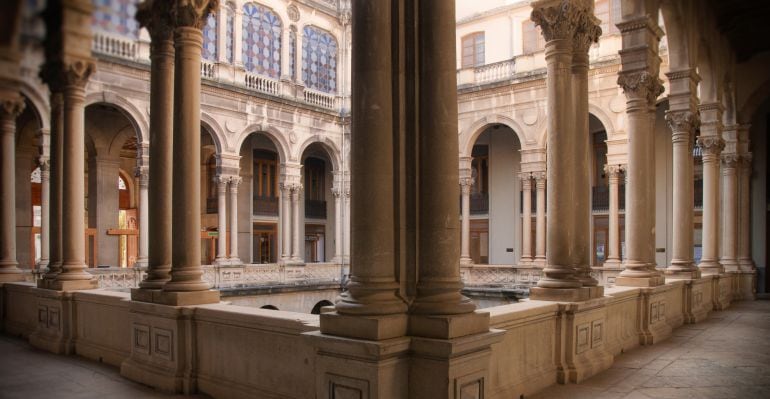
point(711, 146)
point(143, 176)
point(540, 176)
point(587, 32)
point(557, 20)
point(156, 17)
point(235, 181)
point(682, 122)
point(78, 72)
point(730, 161)
point(466, 183)
point(11, 107)
point(614, 171)
point(640, 85)
point(192, 13)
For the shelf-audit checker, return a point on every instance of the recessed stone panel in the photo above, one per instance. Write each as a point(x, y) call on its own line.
point(582, 340)
point(163, 343)
point(341, 387)
point(597, 333)
point(141, 339)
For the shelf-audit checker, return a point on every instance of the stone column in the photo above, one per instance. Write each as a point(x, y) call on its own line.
point(466, 184)
point(682, 125)
point(156, 17)
point(222, 219)
point(144, 204)
point(337, 225)
point(235, 181)
point(296, 194)
point(45, 207)
point(730, 216)
point(745, 261)
point(57, 165)
point(526, 221)
point(372, 287)
point(11, 105)
point(285, 222)
point(557, 21)
point(346, 226)
point(540, 183)
point(438, 252)
point(712, 148)
point(640, 82)
point(614, 173)
point(586, 34)
point(73, 274)
point(186, 284)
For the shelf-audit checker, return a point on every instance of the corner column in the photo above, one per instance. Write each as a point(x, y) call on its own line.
point(186, 285)
point(557, 20)
point(729, 258)
point(222, 219)
point(745, 262)
point(466, 184)
point(712, 148)
point(144, 239)
point(526, 222)
point(235, 181)
point(156, 17)
point(641, 85)
point(11, 105)
point(614, 173)
point(540, 184)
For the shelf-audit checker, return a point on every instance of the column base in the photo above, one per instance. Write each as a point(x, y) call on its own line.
point(141, 263)
point(612, 264)
point(11, 276)
point(539, 261)
point(184, 298)
point(683, 273)
point(294, 262)
point(729, 265)
point(651, 281)
point(234, 261)
point(746, 265)
point(466, 262)
point(72, 285)
point(370, 328)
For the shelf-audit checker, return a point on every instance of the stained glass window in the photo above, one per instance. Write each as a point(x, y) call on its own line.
point(319, 60)
point(210, 38)
point(261, 40)
point(116, 16)
point(230, 32)
point(292, 53)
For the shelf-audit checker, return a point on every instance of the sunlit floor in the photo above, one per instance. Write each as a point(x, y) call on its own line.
point(725, 356)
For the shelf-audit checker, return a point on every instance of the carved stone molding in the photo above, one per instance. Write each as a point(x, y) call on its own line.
point(730, 161)
point(587, 32)
point(293, 12)
point(156, 17)
point(78, 72)
point(689, 73)
point(681, 123)
point(559, 21)
point(711, 146)
point(614, 171)
point(10, 108)
point(641, 85)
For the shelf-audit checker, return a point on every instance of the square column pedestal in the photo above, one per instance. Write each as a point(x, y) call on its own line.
point(55, 330)
point(722, 289)
point(162, 347)
point(449, 355)
point(744, 284)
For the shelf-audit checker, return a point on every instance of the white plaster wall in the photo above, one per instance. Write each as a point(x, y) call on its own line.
point(504, 188)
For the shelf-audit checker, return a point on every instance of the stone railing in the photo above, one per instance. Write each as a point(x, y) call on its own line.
point(495, 72)
point(505, 276)
point(118, 277)
point(208, 69)
point(237, 276)
point(261, 84)
point(319, 99)
point(114, 45)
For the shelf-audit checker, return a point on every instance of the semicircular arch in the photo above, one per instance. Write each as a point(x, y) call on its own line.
point(472, 133)
point(329, 146)
point(128, 109)
point(214, 130)
point(278, 139)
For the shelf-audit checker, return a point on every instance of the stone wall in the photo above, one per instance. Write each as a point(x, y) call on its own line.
point(235, 351)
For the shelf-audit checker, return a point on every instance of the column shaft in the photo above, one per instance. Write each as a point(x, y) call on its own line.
point(222, 219)
point(337, 225)
point(682, 123)
point(744, 207)
point(296, 194)
point(526, 221)
point(730, 208)
point(285, 222)
point(10, 107)
point(160, 188)
point(186, 271)
point(712, 148)
point(465, 254)
point(234, 183)
point(45, 207)
point(144, 239)
point(540, 180)
point(613, 249)
point(57, 175)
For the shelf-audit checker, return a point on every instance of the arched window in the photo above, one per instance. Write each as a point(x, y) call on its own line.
point(229, 32)
point(116, 16)
point(210, 38)
point(261, 40)
point(319, 60)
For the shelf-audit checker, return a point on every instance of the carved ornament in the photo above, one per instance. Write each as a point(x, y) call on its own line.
point(557, 22)
point(641, 84)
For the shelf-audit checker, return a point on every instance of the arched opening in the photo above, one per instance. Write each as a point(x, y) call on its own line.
point(495, 199)
point(111, 202)
point(319, 215)
point(319, 305)
point(259, 199)
point(210, 234)
point(600, 195)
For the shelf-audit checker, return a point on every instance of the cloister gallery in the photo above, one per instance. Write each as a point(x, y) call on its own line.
point(389, 164)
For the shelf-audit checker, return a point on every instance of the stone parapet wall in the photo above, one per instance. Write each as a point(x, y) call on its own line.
point(237, 351)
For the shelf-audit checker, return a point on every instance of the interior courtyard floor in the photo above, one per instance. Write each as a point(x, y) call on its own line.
point(725, 356)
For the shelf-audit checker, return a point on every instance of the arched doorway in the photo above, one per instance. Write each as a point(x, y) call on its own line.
point(319, 204)
point(495, 199)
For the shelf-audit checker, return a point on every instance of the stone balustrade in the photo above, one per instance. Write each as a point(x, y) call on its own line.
point(261, 84)
point(489, 73)
point(208, 70)
point(114, 45)
point(319, 99)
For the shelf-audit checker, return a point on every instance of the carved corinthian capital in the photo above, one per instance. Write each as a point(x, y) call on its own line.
point(78, 72)
point(466, 183)
point(641, 85)
point(614, 171)
point(587, 32)
point(711, 146)
point(155, 15)
point(557, 21)
point(681, 123)
point(11, 107)
point(193, 13)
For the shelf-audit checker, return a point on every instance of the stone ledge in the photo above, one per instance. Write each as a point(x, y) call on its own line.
point(374, 328)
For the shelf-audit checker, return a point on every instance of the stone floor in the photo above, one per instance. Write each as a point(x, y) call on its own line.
point(28, 373)
point(726, 356)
